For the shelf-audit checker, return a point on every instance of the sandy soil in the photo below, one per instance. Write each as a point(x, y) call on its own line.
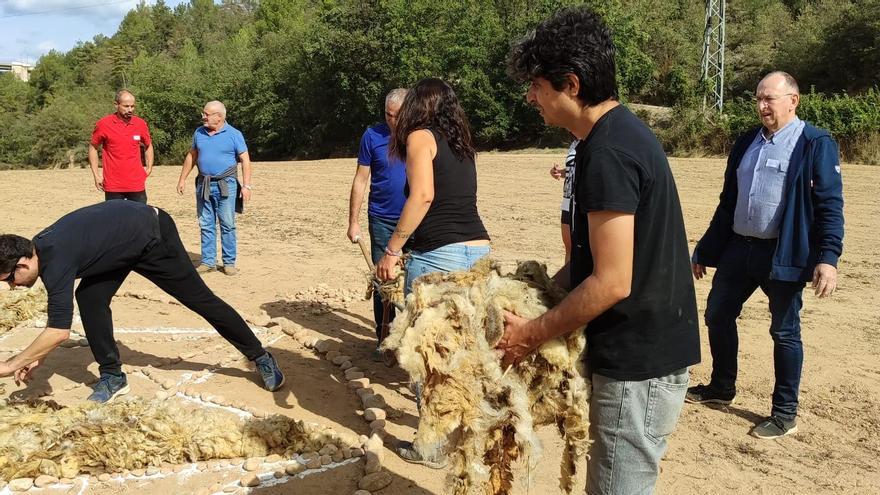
point(293, 251)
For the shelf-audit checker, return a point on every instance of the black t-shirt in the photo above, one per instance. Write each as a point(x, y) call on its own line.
point(452, 216)
point(90, 241)
point(621, 167)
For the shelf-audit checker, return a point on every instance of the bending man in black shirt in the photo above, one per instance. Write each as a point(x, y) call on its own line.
point(102, 244)
point(629, 272)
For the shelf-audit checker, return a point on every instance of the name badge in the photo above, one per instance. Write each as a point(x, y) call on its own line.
point(771, 163)
point(136, 137)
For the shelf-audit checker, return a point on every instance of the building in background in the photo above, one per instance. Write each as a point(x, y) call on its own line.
point(20, 70)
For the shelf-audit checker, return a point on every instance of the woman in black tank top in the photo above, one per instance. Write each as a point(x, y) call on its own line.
point(439, 221)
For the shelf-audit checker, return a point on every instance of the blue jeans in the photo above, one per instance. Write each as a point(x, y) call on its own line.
point(745, 266)
point(448, 258)
point(629, 424)
point(217, 207)
point(380, 233)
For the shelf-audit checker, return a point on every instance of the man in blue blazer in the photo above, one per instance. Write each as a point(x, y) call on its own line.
point(778, 225)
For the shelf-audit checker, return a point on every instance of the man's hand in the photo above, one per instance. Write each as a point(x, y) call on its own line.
point(149, 170)
point(824, 279)
point(354, 232)
point(181, 186)
point(514, 343)
point(386, 268)
point(24, 375)
point(99, 183)
point(699, 270)
point(245, 194)
point(557, 172)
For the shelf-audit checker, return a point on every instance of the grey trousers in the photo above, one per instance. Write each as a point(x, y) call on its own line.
point(629, 424)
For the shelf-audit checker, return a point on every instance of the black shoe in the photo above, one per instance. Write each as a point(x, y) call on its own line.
point(704, 394)
point(774, 427)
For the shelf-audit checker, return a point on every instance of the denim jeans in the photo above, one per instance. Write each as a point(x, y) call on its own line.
point(745, 266)
point(629, 424)
point(380, 233)
point(209, 211)
point(448, 258)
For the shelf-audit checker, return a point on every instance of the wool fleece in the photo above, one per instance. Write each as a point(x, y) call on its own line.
point(482, 416)
point(41, 437)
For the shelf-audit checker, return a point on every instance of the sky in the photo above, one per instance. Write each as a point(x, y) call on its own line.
point(31, 28)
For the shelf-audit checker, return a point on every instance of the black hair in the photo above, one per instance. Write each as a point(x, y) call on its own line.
point(12, 248)
point(574, 41)
point(432, 104)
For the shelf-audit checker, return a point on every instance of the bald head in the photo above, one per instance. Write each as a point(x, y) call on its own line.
point(214, 115)
point(777, 98)
point(124, 103)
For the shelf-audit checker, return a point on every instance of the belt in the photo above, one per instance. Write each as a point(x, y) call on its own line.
point(755, 240)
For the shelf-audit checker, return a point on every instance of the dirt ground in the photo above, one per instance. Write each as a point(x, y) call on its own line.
point(295, 261)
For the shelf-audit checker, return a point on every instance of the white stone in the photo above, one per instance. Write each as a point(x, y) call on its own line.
point(45, 480)
point(250, 480)
point(375, 481)
point(373, 413)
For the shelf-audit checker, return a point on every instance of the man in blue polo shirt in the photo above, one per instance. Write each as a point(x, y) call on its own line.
point(217, 148)
point(387, 177)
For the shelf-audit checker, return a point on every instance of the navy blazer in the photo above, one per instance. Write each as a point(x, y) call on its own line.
point(811, 228)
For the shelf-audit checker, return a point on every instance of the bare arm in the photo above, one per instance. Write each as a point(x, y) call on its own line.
point(25, 362)
point(355, 199)
point(612, 245)
point(246, 169)
point(149, 156)
point(188, 163)
point(421, 150)
point(93, 164)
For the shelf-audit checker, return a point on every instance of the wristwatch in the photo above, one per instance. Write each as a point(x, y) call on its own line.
point(247, 186)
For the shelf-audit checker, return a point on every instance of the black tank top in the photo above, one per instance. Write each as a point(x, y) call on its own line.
point(452, 216)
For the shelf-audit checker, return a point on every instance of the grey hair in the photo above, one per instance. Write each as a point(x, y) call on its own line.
point(396, 96)
point(122, 92)
point(789, 80)
point(218, 104)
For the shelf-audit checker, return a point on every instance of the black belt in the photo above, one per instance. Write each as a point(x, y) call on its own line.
point(756, 240)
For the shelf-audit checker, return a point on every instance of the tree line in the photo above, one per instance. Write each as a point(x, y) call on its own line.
point(302, 78)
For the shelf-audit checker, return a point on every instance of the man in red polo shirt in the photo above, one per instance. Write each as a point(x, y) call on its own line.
point(122, 135)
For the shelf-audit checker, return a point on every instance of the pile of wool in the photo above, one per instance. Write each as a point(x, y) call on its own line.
point(482, 416)
point(44, 438)
point(20, 305)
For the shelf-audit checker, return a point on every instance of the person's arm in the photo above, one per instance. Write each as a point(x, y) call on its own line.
point(612, 243)
point(93, 164)
point(148, 157)
point(188, 162)
point(355, 199)
point(27, 360)
point(245, 175)
point(828, 214)
point(421, 148)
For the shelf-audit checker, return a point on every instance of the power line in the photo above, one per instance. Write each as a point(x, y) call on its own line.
point(66, 9)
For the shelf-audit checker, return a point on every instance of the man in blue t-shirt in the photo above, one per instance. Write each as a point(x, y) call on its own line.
point(387, 177)
point(217, 149)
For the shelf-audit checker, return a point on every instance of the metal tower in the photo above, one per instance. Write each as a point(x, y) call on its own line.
point(712, 73)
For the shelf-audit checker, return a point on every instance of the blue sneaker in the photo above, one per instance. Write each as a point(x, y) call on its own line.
point(108, 388)
point(271, 374)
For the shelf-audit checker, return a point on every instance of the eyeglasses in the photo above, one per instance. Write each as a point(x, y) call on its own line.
point(205, 115)
point(769, 99)
point(10, 279)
